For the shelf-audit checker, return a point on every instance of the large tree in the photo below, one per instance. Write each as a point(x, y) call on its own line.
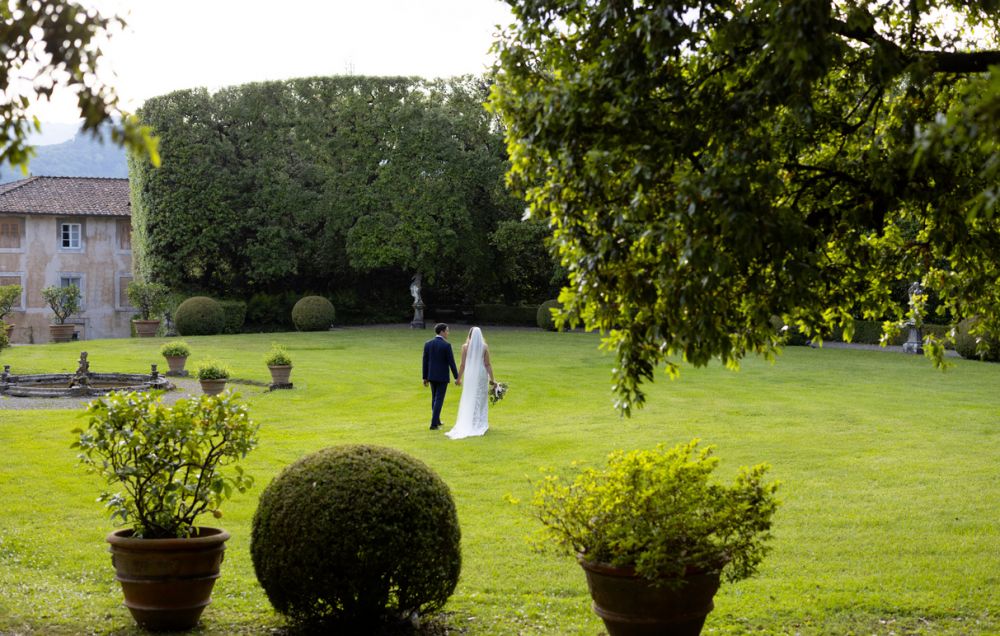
point(47, 45)
point(705, 166)
point(319, 183)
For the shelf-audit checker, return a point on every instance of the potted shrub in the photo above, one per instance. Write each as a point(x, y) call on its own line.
point(212, 375)
point(64, 302)
point(654, 536)
point(9, 295)
point(176, 352)
point(165, 467)
point(280, 365)
point(149, 299)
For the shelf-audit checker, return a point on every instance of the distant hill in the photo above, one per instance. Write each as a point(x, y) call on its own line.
point(81, 156)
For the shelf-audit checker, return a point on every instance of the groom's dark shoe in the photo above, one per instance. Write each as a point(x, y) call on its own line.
point(434, 428)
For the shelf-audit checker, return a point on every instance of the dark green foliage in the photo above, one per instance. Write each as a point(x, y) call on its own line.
point(543, 317)
point(313, 313)
point(791, 335)
point(529, 272)
point(4, 340)
point(704, 166)
point(506, 315)
point(199, 316)
point(271, 311)
point(235, 315)
point(356, 536)
point(975, 346)
point(323, 184)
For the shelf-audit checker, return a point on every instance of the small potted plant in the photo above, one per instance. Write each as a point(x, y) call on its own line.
point(9, 295)
point(176, 352)
point(654, 535)
point(212, 375)
point(280, 364)
point(149, 299)
point(165, 467)
point(64, 302)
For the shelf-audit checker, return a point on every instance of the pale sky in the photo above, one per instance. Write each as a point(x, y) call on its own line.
point(174, 44)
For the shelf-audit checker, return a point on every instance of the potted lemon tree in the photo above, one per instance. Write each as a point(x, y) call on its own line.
point(655, 536)
point(64, 302)
point(176, 353)
point(9, 295)
point(165, 467)
point(149, 299)
point(212, 375)
point(279, 363)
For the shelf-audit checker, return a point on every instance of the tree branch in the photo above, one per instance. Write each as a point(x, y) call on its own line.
point(961, 62)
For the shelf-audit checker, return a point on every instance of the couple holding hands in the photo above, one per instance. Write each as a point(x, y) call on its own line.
point(474, 375)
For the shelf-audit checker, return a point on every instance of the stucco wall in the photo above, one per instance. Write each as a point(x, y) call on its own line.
point(41, 262)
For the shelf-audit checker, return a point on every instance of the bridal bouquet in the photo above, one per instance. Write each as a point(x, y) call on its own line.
point(497, 391)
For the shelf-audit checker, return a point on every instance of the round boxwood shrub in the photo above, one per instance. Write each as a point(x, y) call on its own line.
point(199, 316)
point(967, 346)
point(356, 536)
point(544, 315)
point(313, 313)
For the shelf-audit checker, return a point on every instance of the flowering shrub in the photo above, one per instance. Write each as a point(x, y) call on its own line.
point(164, 464)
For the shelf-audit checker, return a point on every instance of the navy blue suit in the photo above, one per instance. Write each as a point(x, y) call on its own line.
point(439, 359)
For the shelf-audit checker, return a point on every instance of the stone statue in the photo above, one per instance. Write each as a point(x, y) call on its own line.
point(915, 338)
point(418, 303)
point(82, 375)
point(415, 289)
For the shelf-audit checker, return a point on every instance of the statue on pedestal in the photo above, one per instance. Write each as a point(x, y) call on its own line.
point(418, 303)
point(915, 339)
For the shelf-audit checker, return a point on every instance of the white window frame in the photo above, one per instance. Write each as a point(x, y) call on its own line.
point(24, 234)
point(79, 244)
point(83, 286)
point(119, 292)
point(24, 290)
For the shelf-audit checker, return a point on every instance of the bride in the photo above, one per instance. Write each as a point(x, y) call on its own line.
point(473, 373)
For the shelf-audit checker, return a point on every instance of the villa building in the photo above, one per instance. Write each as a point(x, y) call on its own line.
point(67, 231)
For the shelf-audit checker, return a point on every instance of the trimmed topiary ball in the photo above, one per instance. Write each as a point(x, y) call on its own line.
point(199, 316)
point(313, 313)
point(356, 536)
point(544, 315)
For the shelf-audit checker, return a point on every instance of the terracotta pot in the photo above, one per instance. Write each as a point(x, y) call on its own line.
point(631, 606)
point(212, 387)
point(176, 364)
point(167, 583)
point(145, 328)
point(61, 333)
point(280, 374)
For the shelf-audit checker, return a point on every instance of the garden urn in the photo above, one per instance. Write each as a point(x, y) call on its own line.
point(167, 583)
point(145, 328)
point(630, 605)
point(212, 387)
point(280, 376)
point(61, 333)
point(176, 365)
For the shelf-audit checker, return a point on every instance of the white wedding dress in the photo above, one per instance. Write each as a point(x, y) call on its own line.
point(473, 408)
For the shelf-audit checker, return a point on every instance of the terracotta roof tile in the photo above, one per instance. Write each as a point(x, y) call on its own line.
point(66, 196)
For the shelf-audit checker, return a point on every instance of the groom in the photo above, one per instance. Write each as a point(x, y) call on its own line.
point(438, 360)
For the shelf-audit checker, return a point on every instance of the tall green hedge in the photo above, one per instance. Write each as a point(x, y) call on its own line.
point(332, 185)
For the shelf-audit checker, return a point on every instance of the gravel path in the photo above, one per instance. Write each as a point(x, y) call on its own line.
point(184, 387)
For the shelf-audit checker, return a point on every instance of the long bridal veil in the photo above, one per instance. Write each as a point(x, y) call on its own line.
point(472, 408)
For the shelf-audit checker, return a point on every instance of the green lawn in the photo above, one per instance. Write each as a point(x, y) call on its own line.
point(891, 489)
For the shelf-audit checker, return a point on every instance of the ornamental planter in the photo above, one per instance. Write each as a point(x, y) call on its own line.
point(280, 376)
point(167, 583)
point(176, 365)
point(61, 333)
point(212, 387)
point(145, 328)
point(632, 606)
